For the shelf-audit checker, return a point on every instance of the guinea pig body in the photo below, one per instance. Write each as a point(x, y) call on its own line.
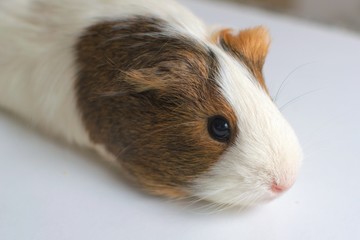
point(183, 110)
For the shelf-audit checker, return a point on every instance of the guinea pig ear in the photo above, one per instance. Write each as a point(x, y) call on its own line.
point(250, 46)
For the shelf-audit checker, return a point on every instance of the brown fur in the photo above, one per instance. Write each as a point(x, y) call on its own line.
point(250, 46)
point(147, 97)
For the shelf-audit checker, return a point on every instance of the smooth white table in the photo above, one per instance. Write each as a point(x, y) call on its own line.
point(49, 190)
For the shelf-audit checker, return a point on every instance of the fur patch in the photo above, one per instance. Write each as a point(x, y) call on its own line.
point(146, 93)
point(250, 46)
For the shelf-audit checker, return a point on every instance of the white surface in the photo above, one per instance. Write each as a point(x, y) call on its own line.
point(51, 191)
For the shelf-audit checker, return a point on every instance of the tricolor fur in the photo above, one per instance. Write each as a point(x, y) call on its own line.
point(137, 81)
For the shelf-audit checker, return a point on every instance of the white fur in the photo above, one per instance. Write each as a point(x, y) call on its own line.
point(37, 63)
point(266, 150)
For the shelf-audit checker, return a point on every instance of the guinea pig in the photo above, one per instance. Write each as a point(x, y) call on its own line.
point(181, 107)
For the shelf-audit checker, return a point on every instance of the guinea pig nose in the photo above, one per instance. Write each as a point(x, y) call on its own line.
point(278, 188)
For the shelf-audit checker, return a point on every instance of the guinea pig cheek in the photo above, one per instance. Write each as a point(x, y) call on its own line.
point(231, 182)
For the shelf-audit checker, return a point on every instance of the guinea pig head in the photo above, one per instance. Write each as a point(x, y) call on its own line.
point(264, 160)
point(185, 117)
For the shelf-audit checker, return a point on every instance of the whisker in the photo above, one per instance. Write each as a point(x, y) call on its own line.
point(297, 98)
point(210, 208)
point(284, 82)
point(249, 203)
point(220, 208)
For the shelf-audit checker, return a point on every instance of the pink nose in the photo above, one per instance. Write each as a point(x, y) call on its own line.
point(276, 188)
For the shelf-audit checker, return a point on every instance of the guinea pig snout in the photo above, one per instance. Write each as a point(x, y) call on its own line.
point(278, 188)
point(283, 180)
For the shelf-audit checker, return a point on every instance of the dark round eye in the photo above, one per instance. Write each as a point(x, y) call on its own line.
point(219, 128)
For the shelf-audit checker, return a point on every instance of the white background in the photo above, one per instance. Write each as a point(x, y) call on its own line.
point(49, 190)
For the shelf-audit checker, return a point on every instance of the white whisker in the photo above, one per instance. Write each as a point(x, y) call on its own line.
point(297, 98)
point(285, 81)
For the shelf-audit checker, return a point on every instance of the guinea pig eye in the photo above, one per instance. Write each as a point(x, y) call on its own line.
point(219, 128)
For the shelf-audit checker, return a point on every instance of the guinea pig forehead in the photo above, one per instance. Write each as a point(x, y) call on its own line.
point(151, 54)
point(204, 92)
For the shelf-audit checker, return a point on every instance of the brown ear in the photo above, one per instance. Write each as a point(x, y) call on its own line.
point(250, 46)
